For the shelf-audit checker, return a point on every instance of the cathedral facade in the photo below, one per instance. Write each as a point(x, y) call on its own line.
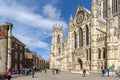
point(93, 40)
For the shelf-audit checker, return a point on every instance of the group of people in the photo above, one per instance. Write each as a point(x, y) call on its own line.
point(10, 73)
point(55, 71)
point(104, 71)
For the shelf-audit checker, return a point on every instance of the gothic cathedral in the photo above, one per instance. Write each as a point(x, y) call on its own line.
point(93, 40)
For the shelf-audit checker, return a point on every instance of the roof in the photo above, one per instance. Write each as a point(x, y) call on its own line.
point(18, 41)
point(87, 10)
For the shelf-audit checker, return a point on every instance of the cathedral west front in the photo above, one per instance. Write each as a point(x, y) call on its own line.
point(93, 40)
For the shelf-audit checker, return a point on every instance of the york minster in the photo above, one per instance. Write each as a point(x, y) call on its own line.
point(93, 39)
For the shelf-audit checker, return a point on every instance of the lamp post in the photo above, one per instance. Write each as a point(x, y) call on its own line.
point(105, 45)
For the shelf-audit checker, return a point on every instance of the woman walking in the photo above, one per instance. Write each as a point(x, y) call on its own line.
point(9, 74)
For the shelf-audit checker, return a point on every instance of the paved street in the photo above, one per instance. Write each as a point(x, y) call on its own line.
point(64, 76)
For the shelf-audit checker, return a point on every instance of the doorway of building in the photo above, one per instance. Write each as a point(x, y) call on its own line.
point(80, 63)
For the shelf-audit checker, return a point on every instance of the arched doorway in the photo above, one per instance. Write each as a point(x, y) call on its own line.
point(80, 63)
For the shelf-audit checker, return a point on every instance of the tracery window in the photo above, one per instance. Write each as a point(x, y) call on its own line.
point(58, 38)
point(115, 6)
point(104, 52)
point(80, 38)
point(99, 54)
point(87, 35)
point(75, 40)
point(105, 12)
point(87, 54)
point(59, 50)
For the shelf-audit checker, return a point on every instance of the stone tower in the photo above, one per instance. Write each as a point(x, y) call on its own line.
point(56, 47)
point(94, 25)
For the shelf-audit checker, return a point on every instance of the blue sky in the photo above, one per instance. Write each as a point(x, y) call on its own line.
point(33, 20)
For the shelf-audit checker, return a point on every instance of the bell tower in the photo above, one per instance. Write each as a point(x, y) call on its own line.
point(57, 46)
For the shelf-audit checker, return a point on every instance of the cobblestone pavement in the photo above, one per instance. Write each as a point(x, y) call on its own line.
point(64, 76)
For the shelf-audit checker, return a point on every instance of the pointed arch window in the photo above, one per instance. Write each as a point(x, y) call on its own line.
point(80, 38)
point(75, 40)
point(87, 35)
point(115, 6)
point(58, 38)
point(99, 54)
point(105, 9)
point(59, 50)
point(87, 54)
point(104, 53)
point(90, 54)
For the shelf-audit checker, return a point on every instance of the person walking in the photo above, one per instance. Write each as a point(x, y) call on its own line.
point(45, 70)
point(9, 74)
point(53, 71)
point(103, 72)
point(108, 70)
point(84, 72)
point(32, 73)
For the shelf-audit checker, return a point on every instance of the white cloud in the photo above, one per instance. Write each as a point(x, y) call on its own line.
point(29, 27)
point(51, 12)
point(26, 17)
point(32, 42)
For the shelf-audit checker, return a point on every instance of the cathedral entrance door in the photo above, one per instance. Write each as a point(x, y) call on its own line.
point(80, 63)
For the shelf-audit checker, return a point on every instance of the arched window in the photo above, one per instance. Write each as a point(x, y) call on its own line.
point(58, 38)
point(99, 54)
point(59, 50)
point(80, 38)
point(104, 52)
point(115, 6)
point(90, 54)
point(87, 35)
point(72, 56)
point(87, 54)
point(16, 55)
point(75, 39)
point(105, 12)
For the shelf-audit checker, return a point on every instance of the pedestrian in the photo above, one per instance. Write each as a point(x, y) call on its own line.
point(45, 70)
point(9, 74)
point(32, 73)
point(84, 72)
point(108, 70)
point(53, 71)
point(103, 72)
point(56, 71)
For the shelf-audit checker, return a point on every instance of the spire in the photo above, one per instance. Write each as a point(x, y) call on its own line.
point(71, 18)
point(94, 1)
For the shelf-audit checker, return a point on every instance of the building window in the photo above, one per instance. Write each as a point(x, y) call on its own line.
point(16, 55)
point(16, 46)
point(90, 54)
point(80, 38)
point(104, 52)
point(21, 57)
point(21, 48)
point(59, 50)
point(115, 6)
point(0, 32)
point(87, 54)
point(105, 13)
point(99, 54)
point(75, 39)
point(87, 35)
point(58, 38)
